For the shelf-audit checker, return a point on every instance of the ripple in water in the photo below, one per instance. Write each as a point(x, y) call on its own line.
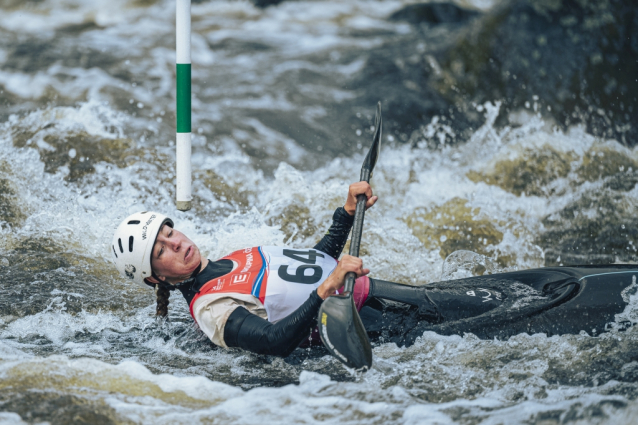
point(86, 141)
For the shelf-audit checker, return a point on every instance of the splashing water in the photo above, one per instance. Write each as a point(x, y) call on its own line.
point(87, 140)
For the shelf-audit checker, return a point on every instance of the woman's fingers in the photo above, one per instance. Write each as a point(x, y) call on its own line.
point(353, 264)
point(356, 189)
point(371, 201)
point(361, 188)
point(336, 280)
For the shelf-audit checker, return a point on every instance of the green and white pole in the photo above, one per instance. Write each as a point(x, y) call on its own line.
point(183, 68)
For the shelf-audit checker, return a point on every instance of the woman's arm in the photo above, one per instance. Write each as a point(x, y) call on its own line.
point(250, 332)
point(335, 239)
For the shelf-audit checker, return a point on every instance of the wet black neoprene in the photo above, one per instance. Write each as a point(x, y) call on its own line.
point(250, 332)
point(407, 294)
point(335, 238)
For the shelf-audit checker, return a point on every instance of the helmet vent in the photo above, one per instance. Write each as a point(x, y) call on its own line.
point(119, 242)
point(130, 244)
point(115, 253)
point(134, 222)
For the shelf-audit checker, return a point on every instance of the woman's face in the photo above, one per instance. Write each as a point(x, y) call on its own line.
point(174, 257)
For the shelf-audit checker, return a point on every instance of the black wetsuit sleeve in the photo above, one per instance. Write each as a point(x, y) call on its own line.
point(335, 238)
point(250, 332)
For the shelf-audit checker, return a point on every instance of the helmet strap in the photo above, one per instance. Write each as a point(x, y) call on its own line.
point(190, 280)
point(178, 285)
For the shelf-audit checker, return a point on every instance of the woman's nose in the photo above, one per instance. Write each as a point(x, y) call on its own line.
point(175, 244)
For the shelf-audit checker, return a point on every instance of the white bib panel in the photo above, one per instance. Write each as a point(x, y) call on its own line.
point(292, 274)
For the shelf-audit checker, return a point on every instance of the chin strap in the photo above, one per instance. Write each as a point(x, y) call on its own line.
point(178, 285)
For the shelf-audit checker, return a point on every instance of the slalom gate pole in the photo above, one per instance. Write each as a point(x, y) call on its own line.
point(183, 116)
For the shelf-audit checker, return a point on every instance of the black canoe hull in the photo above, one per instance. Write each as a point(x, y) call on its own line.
point(553, 301)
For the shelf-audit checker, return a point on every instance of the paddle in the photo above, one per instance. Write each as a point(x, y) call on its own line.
point(340, 326)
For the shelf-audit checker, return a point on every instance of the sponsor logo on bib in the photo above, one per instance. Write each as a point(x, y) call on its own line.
point(240, 278)
point(219, 285)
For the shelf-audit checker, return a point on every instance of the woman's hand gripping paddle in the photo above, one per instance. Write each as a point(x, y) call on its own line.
point(340, 326)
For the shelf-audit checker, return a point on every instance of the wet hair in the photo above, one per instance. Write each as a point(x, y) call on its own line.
point(162, 294)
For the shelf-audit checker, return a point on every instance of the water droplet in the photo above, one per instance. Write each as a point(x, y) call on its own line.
point(72, 153)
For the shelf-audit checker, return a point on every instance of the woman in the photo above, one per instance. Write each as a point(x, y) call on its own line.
point(279, 290)
point(266, 299)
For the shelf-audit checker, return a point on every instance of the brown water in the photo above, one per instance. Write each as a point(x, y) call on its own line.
point(283, 100)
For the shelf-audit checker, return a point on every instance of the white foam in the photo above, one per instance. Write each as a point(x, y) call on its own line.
point(441, 379)
point(8, 418)
point(45, 17)
point(629, 315)
point(58, 326)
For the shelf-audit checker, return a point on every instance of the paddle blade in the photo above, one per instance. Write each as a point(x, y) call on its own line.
point(342, 332)
point(373, 153)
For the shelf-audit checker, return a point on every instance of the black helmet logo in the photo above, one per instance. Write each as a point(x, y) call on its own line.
point(129, 269)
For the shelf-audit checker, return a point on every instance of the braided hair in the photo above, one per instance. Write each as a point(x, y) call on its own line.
point(162, 293)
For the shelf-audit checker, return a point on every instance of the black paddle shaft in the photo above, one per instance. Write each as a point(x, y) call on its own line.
point(341, 329)
point(357, 230)
point(366, 172)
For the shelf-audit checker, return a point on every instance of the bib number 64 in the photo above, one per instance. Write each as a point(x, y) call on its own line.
point(307, 257)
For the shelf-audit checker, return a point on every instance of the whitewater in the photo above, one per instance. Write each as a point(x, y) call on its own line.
point(280, 129)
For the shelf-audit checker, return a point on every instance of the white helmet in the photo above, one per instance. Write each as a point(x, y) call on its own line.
point(133, 244)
